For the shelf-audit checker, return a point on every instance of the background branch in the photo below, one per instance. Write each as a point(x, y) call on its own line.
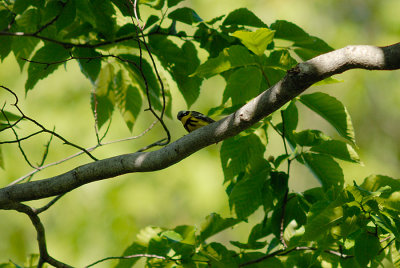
point(41, 237)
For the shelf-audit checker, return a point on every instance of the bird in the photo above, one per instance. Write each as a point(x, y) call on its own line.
point(192, 120)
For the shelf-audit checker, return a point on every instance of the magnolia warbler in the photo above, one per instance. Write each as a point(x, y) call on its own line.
point(193, 120)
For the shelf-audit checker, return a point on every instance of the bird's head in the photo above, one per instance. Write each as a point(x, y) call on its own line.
point(182, 114)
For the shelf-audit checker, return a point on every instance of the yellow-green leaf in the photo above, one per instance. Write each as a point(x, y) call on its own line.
point(256, 41)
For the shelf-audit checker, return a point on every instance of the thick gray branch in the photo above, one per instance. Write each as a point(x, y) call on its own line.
point(295, 82)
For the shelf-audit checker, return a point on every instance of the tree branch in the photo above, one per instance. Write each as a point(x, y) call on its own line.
point(295, 82)
point(41, 238)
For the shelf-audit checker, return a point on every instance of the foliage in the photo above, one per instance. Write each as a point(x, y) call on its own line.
point(343, 225)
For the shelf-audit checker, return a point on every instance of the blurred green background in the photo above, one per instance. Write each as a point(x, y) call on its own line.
point(101, 219)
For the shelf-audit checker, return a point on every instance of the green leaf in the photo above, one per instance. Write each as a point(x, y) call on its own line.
point(214, 224)
point(219, 256)
point(133, 62)
point(172, 3)
point(21, 5)
point(6, 117)
point(6, 18)
point(214, 20)
point(128, 99)
point(256, 41)
point(188, 86)
point(213, 41)
point(89, 62)
point(281, 60)
point(375, 182)
point(279, 183)
point(328, 81)
point(67, 15)
point(23, 48)
point(5, 47)
point(250, 245)
point(325, 169)
point(243, 16)
point(29, 20)
point(247, 196)
point(156, 4)
point(134, 248)
point(150, 21)
point(337, 149)
point(185, 15)
point(238, 153)
point(180, 62)
point(322, 220)
point(294, 211)
point(243, 85)
point(231, 57)
point(309, 46)
point(333, 111)
point(103, 101)
point(125, 9)
point(366, 248)
point(171, 235)
point(290, 119)
point(47, 56)
point(104, 17)
point(310, 137)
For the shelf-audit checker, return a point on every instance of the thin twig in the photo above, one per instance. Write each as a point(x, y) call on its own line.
point(127, 257)
point(282, 223)
point(164, 141)
point(17, 140)
point(284, 140)
point(283, 252)
point(48, 205)
point(53, 20)
point(43, 128)
point(80, 153)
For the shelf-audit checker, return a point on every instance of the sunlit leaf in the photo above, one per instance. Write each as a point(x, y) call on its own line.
point(325, 169)
point(128, 98)
point(104, 99)
point(332, 110)
point(375, 182)
point(337, 149)
point(319, 225)
point(256, 41)
point(232, 57)
point(280, 59)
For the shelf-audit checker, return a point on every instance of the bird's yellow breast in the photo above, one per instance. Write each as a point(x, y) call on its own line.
point(192, 123)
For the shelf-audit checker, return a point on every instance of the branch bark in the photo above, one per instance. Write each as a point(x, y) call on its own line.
point(294, 83)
